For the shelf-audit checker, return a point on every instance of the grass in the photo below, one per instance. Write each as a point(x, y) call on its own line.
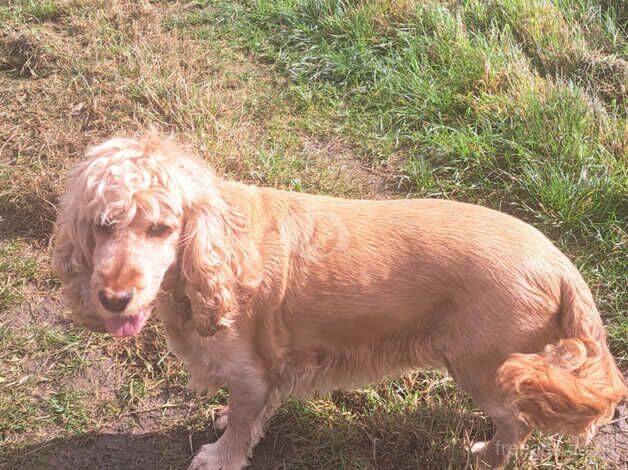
point(516, 105)
point(17, 271)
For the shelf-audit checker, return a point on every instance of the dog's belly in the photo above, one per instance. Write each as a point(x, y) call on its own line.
point(357, 345)
point(319, 371)
point(323, 326)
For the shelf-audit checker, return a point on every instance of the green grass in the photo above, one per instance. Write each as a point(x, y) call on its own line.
point(30, 10)
point(17, 269)
point(65, 407)
point(516, 105)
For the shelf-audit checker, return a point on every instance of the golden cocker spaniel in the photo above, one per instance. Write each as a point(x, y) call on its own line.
point(278, 294)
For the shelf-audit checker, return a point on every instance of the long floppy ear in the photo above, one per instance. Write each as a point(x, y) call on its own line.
point(73, 243)
point(70, 240)
point(215, 249)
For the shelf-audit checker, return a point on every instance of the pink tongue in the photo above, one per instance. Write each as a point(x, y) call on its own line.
point(126, 326)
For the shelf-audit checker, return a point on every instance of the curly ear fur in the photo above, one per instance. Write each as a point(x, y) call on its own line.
point(64, 263)
point(71, 256)
point(73, 246)
point(215, 250)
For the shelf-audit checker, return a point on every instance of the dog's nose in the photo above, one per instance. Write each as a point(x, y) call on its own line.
point(115, 301)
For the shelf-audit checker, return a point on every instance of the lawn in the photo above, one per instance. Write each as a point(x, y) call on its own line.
point(517, 105)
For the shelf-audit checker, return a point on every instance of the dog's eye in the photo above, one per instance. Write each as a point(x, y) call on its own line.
point(104, 227)
point(158, 230)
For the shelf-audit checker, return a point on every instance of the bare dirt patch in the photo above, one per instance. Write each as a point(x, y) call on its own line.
point(611, 442)
point(26, 56)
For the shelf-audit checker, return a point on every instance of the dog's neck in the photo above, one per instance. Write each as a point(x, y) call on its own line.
point(173, 290)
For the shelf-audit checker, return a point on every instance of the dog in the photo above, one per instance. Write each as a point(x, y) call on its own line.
point(276, 294)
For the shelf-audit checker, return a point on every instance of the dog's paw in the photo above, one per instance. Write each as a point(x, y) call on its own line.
point(484, 457)
point(478, 447)
point(210, 457)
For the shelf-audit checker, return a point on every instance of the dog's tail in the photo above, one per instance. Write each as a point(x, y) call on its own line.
point(573, 385)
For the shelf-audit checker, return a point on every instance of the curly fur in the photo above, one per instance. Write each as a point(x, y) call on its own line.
point(278, 294)
point(572, 385)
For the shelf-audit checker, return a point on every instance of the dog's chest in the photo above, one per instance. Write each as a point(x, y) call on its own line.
point(199, 354)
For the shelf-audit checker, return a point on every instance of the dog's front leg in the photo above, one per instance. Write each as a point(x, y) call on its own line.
point(248, 410)
point(201, 383)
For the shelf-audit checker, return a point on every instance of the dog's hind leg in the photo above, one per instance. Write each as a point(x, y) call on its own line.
point(510, 433)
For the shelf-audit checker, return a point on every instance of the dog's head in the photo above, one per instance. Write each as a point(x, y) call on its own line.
point(134, 213)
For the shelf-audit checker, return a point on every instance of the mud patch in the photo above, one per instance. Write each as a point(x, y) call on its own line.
point(611, 442)
point(26, 56)
point(107, 451)
point(345, 160)
point(44, 311)
point(101, 376)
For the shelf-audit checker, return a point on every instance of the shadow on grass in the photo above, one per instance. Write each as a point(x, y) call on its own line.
point(105, 451)
point(29, 218)
point(304, 444)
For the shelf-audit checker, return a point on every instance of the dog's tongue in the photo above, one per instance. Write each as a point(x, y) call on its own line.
point(126, 326)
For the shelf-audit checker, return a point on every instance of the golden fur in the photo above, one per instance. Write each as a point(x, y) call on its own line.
point(278, 294)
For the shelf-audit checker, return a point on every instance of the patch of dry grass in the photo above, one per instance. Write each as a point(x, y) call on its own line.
point(112, 68)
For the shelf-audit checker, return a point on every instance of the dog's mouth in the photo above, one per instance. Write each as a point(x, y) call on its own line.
point(128, 325)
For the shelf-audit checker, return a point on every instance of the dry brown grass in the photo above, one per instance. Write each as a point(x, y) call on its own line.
point(103, 68)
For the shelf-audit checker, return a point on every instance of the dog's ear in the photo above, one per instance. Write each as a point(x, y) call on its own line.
point(73, 239)
point(68, 258)
point(73, 244)
point(210, 263)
